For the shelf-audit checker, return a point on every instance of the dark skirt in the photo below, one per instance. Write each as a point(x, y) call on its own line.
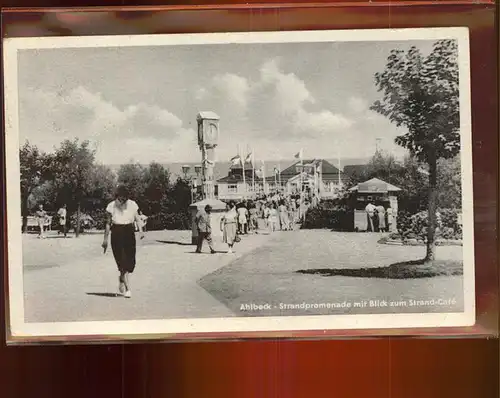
point(124, 246)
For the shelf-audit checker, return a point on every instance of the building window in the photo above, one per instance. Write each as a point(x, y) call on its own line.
point(232, 188)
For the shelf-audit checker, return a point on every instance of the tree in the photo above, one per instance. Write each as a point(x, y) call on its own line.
point(102, 184)
point(180, 194)
point(132, 176)
point(449, 183)
point(44, 193)
point(156, 180)
point(407, 175)
point(35, 169)
point(73, 163)
point(421, 94)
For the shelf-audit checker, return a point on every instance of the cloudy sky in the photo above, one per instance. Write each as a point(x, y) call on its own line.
point(141, 103)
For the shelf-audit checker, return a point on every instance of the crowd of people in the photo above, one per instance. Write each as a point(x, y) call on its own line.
point(379, 218)
point(64, 224)
point(270, 213)
point(265, 214)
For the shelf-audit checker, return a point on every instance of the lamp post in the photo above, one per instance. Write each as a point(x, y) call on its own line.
point(78, 194)
point(185, 171)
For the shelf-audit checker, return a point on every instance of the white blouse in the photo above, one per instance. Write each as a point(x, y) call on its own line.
point(123, 215)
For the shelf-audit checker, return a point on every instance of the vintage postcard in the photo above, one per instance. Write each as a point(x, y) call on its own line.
point(239, 182)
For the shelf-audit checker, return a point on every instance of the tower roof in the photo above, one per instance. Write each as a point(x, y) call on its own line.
point(375, 186)
point(207, 115)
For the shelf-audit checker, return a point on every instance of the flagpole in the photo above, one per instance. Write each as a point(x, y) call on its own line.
point(338, 157)
point(279, 175)
point(301, 174)
point(242, 159)
point(320, 178)
point(253, 172)
point(264, 177)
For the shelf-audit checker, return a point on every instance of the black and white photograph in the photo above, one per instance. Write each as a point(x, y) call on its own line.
point(239, 182)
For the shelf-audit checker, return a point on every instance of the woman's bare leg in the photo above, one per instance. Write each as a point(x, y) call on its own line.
point(126, 279)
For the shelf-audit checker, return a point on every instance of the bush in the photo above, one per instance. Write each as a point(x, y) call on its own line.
point(164, 220)
point(99, 217)
point(414, 226)
point(338, 219)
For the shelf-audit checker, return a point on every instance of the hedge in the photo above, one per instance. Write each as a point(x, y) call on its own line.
point(414, 226)
point(179, 221)
point(338, 219)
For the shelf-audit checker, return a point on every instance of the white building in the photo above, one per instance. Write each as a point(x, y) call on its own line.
point(312, 177)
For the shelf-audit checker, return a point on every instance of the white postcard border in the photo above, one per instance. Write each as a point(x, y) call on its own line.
point(19, 328)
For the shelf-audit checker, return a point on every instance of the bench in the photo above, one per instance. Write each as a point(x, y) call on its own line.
point(33, 223)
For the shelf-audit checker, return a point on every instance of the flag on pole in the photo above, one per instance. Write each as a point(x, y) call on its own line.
point(299, 154)
point(263, 171)
point(249, 158)
point(235, 160)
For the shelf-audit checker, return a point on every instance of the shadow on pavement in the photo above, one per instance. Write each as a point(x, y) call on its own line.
point(403, 270)
point(173, 242)
point(216, 252)
point(110, 295)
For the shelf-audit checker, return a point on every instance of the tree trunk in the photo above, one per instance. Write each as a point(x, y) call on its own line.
point(431, 228)
point(77, 228)
point(24, 213)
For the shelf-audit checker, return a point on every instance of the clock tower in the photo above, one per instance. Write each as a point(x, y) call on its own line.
point(208, 137)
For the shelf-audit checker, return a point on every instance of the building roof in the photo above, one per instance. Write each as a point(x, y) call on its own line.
point(233, 179)
point(238, 166)
point(208, 115)
point(326, 167)
point(375, 186)
point(215, 203)
point(329, 172)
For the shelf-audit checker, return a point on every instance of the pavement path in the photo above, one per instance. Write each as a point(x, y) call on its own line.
point(268, 278)
point(72, 280)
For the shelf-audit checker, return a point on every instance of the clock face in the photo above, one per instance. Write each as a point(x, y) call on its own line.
point(212, 132)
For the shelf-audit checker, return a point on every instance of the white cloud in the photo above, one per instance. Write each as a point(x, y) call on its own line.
point(201, 94)
point(358, 105)
point(289, 92)
point(276, 114)
point(232, 87)
point(284, 107)
point(146, 130)
point(324, 122)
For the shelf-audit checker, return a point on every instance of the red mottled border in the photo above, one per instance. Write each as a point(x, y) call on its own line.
point(478, 16)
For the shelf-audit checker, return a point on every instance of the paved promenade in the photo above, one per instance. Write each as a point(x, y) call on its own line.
point(269, 277)
point(72, 280)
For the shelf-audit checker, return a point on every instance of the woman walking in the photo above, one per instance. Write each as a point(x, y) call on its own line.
point(41, 219)
point(229, 225)
point(253, 222)
point(122, 214)
point(243, 218)
point(381, 217)
point(283, 215)
point(273, 217)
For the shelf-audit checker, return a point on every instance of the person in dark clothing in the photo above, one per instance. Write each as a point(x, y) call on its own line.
point(204, 227)
point(122, 213)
